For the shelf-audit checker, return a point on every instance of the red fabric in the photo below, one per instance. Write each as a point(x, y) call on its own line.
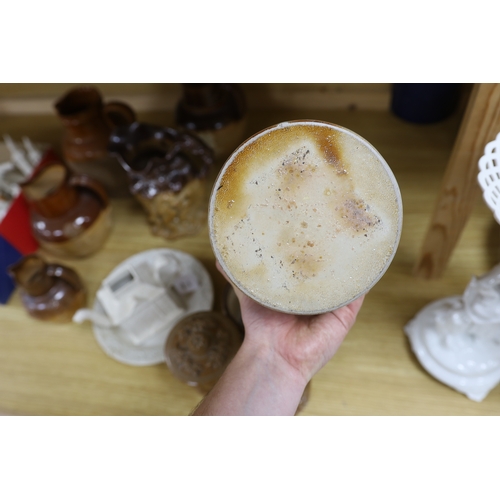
point(15, 226)
point(16, 229)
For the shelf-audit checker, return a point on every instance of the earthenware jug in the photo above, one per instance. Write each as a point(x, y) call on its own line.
point(49, 292)
point(215, 112)
point(70, 214)
point(88, 123)
point(167, 172)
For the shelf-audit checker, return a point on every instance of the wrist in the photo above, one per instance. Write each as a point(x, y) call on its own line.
point(256, 382)
point(282, 383)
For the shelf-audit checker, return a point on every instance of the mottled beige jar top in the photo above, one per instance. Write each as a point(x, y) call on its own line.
point(305, 216)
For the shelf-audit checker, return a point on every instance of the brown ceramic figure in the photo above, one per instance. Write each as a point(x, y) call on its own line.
point(49, 292)
point(70, 214)
point(199, 348)
point(88, 123)
point(167, 172)
point(215, 112)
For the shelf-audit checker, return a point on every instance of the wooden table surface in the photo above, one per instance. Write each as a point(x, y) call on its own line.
point(48, 369)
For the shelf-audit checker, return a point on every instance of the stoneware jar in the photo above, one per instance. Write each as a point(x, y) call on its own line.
point(167, 172)
point(215, 112)
point(88, 123)
point(49, 292)
point(199, 348)
point(70, 214)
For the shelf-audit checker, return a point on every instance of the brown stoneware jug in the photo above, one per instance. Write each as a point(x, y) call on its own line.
point(215, 112)
point(49, 292)
point(70, 214)
point(199, 348)
point(88, 123)
point(167, 172)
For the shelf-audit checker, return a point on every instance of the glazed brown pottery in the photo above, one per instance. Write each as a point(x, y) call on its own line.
point(215, 112)
point(199, 348)
point(70, 214)
point(49, 292)
point(88, 123)
point(167, 172)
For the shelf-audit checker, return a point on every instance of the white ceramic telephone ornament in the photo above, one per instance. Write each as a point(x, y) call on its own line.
point(138, 299)
point(142, 299)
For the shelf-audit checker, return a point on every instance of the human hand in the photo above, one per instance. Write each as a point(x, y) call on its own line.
point(304, 343)
point(280, 354)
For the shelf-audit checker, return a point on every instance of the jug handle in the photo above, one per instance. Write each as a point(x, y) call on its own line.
point(87, 182)
point(66, 274)
point(118, 113)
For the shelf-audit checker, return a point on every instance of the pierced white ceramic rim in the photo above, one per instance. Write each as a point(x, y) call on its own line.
point(489, 176)
point(293, 123)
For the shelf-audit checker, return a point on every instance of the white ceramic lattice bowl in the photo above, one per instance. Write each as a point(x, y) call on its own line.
point(489, 176)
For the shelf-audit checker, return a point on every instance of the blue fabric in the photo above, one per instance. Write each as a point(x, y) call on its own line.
point(8, 255)
point(424, 102)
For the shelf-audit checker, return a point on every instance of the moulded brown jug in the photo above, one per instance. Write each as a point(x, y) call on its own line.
point(168, 171)
point(70, 214)
point(49, 292)
point(88, 123)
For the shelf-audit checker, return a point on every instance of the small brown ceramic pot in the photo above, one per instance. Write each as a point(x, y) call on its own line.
point(50, 292)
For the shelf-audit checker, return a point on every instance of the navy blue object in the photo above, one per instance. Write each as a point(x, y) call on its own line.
point(8, 256)
point(424, 102)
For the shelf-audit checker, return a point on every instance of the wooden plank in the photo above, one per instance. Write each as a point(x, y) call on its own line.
point(55, 90)
point(329, 100)
point(45, 105)
point(36, 99)
point(459, 189)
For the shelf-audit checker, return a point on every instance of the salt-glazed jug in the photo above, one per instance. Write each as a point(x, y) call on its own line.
point(167, 172)
point(88, 123)
point(70, 214)
point(48, 291)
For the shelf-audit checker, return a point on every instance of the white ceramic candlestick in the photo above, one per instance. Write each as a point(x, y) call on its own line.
point(457, 339)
